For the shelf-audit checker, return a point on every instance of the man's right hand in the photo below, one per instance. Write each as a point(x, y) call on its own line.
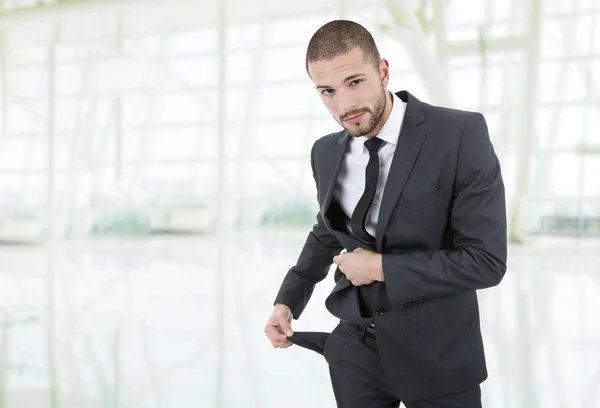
point(279, 328)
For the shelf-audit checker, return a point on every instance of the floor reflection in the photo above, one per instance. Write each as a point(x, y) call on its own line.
point(136, 325)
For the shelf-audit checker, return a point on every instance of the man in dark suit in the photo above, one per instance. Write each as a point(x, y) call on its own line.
point(412, 212)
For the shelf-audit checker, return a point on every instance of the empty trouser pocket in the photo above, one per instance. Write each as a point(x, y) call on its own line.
point(314, 341)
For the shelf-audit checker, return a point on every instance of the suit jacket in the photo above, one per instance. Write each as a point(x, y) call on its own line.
point(442, 235)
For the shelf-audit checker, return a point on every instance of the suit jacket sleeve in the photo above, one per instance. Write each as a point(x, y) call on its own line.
point(478, 222)
point(313, 263)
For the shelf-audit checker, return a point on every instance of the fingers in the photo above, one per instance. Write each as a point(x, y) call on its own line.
point(279, 328)
point(282, 323)
point(337, 260)
point(274, 334)
point(285, 326)
point(283, 344)
point(277, 337)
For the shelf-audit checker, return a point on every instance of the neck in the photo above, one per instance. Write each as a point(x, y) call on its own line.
point(384, 117)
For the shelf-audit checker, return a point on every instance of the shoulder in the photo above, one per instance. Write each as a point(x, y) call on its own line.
point(324, 144)
point(449, 127)
point(449, 118)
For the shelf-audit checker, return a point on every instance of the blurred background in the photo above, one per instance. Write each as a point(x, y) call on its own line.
point(155, 187)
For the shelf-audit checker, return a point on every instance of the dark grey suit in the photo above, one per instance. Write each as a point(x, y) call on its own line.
point(442, 233)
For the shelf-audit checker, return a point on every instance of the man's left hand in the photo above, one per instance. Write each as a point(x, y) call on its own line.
point(361, 267)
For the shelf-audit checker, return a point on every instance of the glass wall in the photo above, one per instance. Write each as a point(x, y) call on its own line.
point(133, 107)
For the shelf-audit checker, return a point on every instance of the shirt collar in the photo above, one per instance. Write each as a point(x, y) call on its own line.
point(390, 131)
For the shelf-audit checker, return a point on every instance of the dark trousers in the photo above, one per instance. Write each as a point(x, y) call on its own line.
point(358, 379)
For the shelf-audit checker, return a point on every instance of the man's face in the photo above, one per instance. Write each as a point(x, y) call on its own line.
point(353, 90)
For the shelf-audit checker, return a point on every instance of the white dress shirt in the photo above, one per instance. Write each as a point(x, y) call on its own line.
point(351, 180)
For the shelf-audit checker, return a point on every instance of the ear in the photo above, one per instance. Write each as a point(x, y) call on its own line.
point(384, 71)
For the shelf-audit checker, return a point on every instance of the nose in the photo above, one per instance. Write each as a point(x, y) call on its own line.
point(346, 103)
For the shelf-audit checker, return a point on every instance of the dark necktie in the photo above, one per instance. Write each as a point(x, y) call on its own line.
point(359, 216)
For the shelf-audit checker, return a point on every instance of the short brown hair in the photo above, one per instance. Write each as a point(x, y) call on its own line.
point(339, 37)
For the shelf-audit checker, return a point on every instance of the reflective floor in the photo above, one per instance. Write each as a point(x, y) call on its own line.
point(136, 325)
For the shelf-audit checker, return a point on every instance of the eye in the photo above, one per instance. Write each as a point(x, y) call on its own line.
point(327, 92)
point(356, 81)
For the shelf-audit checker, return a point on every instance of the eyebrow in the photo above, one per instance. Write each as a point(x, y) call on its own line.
point(350, 78)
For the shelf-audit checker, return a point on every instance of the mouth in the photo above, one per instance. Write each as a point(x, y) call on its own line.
point(354, 119)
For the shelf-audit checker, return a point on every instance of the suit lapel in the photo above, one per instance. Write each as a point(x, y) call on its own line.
point(412, 136)
point(333, 164)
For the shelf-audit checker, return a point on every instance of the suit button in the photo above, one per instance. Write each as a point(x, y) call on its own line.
point(379, 310)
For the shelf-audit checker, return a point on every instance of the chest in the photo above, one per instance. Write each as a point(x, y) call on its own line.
point(351, 177)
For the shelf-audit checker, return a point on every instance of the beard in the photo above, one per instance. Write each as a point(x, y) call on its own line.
point(363, 128)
